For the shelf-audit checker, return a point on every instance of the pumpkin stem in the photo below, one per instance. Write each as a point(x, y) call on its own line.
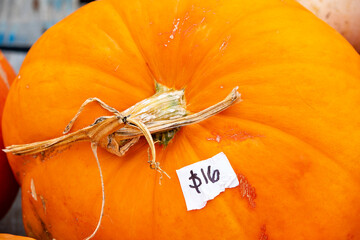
point(153, 164)
point(94, 150)
point(162, 112)
point(89, 100)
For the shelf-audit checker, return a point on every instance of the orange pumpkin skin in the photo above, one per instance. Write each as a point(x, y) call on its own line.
point(293, 141)
point(8, 185)
point(13, 237)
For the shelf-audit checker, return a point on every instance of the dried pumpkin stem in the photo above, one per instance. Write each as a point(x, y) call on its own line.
point(116, 125)
point(89, 100)
point(164, 125)
point(91, 133)
point(148, 137)
point(94, 149)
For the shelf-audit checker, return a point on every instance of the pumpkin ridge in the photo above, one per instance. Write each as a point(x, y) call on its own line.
point(222, 77)
point(222, 35)
point(53, 62)
point(281, 131)
point(204, 56)
point(277, 129)
point(138, 47)
point(121, 87)
point(137, 43)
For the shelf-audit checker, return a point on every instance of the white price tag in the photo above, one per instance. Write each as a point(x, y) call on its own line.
point(204, 180)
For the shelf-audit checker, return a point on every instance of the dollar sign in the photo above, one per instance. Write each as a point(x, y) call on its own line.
point(196, 181)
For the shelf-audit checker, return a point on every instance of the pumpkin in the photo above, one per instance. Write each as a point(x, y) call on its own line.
point(4, 236)
point(293, 141)
point(342, 15)
point(8, 186)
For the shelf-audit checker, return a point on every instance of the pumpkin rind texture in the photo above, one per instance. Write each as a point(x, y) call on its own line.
point(8, 185)
point(293, 141)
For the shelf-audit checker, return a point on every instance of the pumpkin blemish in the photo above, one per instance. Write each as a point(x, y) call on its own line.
point(32, 190)
point(247, 191)
point(263, 234)
point(232, 134)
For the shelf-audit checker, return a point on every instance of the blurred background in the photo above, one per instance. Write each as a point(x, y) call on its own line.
point(22, 22)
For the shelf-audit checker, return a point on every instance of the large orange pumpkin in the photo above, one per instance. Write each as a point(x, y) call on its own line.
point(8, 185)
point(293, 141)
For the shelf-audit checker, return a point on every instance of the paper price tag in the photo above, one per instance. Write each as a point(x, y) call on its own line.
point(204, 180)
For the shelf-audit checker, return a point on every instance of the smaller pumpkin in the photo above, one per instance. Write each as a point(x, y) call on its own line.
point(13, 237)
point(8, 186)
point(342, 15)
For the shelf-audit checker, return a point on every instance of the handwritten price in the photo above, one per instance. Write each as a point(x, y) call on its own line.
point(209, 176)
point(204, 180)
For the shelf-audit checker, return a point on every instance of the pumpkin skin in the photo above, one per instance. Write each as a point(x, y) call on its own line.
point(293, 141)
point(8, 185)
